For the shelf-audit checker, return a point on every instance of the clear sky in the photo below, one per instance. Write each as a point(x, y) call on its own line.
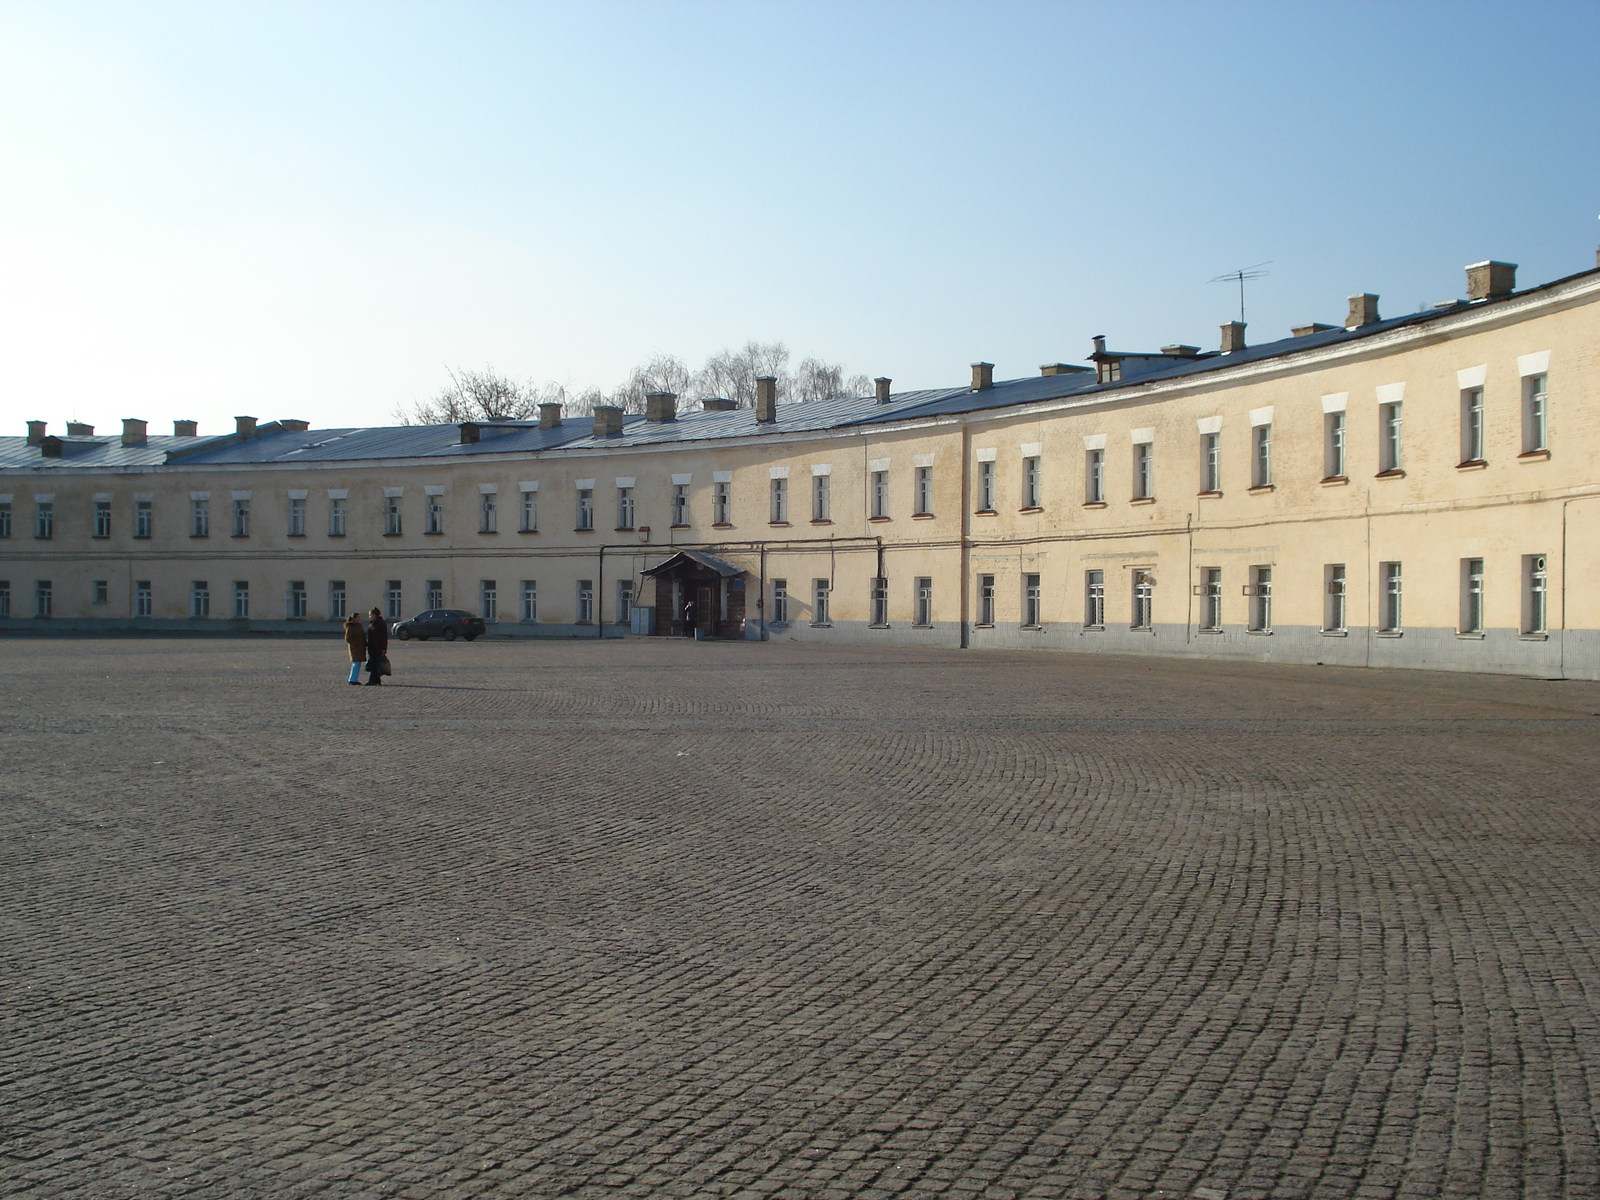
point(313, 209)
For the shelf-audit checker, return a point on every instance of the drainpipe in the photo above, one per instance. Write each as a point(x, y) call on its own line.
point(965, 566)
point(1562, 669)
point(761, 596)
point(600, 595)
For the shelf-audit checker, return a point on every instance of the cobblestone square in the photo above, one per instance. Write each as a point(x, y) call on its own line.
point(661, 918)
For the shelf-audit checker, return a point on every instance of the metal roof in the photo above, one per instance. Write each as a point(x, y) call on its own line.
point(720, 565)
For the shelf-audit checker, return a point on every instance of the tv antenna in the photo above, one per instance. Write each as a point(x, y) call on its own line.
point(1239, 277)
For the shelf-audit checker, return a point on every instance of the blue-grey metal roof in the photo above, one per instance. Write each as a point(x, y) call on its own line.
point(92, 452)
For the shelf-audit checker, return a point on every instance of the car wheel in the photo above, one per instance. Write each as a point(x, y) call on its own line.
point(449, 635)
point(403, 634)
point(422, 637)
point(472, 637)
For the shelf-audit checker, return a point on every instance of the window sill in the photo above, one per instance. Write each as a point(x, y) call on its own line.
point(918, 626)
point(1392, 473)
point(336, 535)
point(1208, 495)
point(822, 624)
point(1031, 628)
point(984, 625)
point(1335, 480)
point(1094, 629)
point(1534, 456)
point(1472, 464)
point(145, 537)
point(779, 524)
point(1261, 487)
point(1142, 500)
point(1208, 630)
point(679, 525)
point(240, 536)
point(193, 536)
point(623, 529)
point(984, 512)
point(1469, 637)
point(1533, 637)
point(100, 537)
point(1389, 633)
point(1094, 504)
point(722, 525)
point(814, 521)
point(583, 622)
point(527, 531)
point(777, 624)
point(878, 627)
point(1140, 629)
point(1033, 508)
point(294, 535)
point(1259, 632)
point(1335, 633)
point(488, 532)
point(582, 530)
point(922, 516)
point(875, 520)
point(394, 535)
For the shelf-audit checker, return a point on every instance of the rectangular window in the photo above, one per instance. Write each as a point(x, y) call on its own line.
point(43, 598)
point(680, 504)
point(336, 599)
point(143, 518)
point(1389, 600)
point(1333, 446)
point(1210, 462)
point(433, 515)
point(296, 607)
point(585, 602)
point(923, 499)
point(986, 487)
point(1143, 600)
point(199, 518)
point(530, 512)
point(1536, 593)
point(585, 508)
point(879, 614)
point(102, 518)
point(1032, 606)
point(199, 599)
point(488, 513)
point(1030, 483)
point(5, 598)
point(297, 517)
point(1535, 414)
point(986, 600)
point(143, 603)
point(1471, 595)
point(821, 505)
point(1143, 481)
point(1211, 598)
point(624, 508)
point(780, 502)
point(5, 519)
point(1333, 607)
point(241, 599)
point(336, 517)
point(780, 601)
point(391, 516)
point(1391, 426)
point(392, 599)
point(880, 495)
point(820, 589)
point(530, 599)
point(1261, 456)
point(241, 518)
point(434, 592)
point(721, 503)
point(1472, 443)
point(624, 601)
point(1260, 592)
point(1094, 599)
point(102, 591)
point(924, 604)
point(488, 600)
point(44, 519)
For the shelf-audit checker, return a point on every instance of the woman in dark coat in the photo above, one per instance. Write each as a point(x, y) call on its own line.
point(377, 649)
point(355, 640)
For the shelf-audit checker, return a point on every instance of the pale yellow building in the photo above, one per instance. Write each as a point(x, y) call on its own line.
point(1418, 491)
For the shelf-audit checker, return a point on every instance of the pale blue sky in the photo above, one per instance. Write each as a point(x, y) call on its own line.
point(312, 209)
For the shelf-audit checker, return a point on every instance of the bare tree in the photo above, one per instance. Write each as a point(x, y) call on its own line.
point(732, 374)
point(817, 380)
point(482, 395)
point(663, 373)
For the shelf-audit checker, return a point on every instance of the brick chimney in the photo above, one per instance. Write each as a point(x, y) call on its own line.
point(766, 399)
point(245, 427)
point(36, 431)
point(882, 383)
point(1491, 280)
point(1232, 336)
point(718, 404)
point(79, 429)
point(607, 420)
point(1308, 330)
point(1363, 311)
point(133, 431)
point(1055, 369)
point(982, 376)
point(549, 415)
point(292, 424)
point(186, 429)
point(661, 406)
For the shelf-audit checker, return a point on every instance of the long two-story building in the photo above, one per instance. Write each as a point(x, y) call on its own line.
point(1417, 491)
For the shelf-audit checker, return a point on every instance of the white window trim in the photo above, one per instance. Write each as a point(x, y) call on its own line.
point(1537, 363)
point(1142, 437)
point(1335, 402)
point(1471, 377)
point(1209, 425)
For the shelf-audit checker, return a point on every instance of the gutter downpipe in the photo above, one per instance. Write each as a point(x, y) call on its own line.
point(965, 568)
point(761, 597)
point(600, 594)
point(1562, 668)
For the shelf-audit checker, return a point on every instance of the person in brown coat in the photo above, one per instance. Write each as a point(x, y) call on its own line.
point(355, 640)
point(377, 649)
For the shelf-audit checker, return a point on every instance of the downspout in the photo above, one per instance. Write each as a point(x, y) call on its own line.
point(1188, 611)
point(761, 597)
point(1563, 647)
point(965, 568)
point(600, 595)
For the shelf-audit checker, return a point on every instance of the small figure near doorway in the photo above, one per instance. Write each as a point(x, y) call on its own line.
point(691, 619)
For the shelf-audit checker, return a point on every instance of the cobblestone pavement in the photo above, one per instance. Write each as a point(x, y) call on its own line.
point(655, 918)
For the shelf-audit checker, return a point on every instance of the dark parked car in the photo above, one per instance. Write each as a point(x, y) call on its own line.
point(448, 623)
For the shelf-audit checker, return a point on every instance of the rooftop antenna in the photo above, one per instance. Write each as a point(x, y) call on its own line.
point(1240, 276)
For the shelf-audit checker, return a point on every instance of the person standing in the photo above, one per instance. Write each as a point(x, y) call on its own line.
point(355, 641)
point(691, 619)
point(377, 649)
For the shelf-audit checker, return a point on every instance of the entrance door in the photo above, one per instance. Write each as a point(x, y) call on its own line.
point(705, 608)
